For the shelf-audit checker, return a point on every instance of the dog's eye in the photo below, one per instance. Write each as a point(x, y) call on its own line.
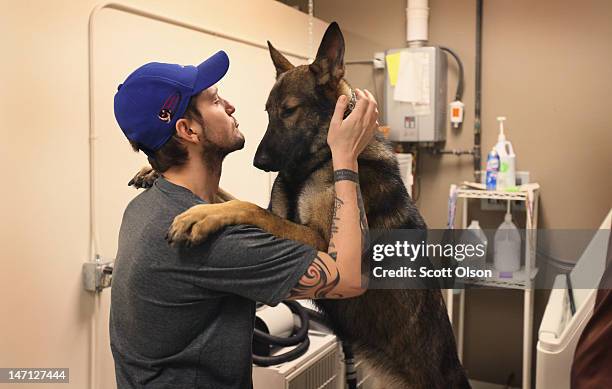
point(288, 112)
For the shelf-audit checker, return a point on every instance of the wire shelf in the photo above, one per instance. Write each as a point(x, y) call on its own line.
point(521, 195)
point(489, 194)
point(517, 281)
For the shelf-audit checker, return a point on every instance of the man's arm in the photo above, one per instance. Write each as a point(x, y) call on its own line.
point(337, 273)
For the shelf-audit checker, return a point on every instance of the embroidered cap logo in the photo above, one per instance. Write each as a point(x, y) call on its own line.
point(168, 109)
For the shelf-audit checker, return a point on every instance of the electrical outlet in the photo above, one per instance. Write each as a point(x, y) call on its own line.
point(379, 60)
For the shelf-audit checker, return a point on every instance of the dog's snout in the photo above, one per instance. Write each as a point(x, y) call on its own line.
point(263, 161)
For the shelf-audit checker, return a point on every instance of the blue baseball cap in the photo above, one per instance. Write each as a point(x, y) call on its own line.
point(155, 96)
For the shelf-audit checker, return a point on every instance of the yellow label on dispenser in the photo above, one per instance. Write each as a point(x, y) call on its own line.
point(393, 61)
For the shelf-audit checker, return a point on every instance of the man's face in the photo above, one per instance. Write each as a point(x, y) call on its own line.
point(220, 132)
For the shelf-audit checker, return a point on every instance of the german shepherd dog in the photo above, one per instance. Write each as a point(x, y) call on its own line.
point(403, 336)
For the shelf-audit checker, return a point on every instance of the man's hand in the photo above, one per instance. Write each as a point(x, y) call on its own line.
point(348, 138)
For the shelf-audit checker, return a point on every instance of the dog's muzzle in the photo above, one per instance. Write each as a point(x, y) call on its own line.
point(263, 161)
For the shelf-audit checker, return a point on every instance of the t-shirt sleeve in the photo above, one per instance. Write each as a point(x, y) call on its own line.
point(250, 262)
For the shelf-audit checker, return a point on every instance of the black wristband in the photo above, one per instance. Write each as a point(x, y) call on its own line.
point(346, 174)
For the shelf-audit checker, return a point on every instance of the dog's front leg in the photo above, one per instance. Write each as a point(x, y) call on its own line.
point(198, 222)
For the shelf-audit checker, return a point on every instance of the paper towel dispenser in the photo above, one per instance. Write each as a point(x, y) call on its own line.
point(415, 94)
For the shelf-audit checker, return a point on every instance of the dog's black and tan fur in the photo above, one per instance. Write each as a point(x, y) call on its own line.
point(404, 336)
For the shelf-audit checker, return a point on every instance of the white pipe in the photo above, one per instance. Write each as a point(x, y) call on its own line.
point(311, 53)
point(93, 235)
point(417, 19)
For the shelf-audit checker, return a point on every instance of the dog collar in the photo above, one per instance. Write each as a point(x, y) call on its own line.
point(351, 104)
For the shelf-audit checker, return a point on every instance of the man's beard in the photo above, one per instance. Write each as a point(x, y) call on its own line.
point(214, 152)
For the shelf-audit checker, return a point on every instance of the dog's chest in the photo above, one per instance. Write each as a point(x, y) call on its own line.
point(309, 203)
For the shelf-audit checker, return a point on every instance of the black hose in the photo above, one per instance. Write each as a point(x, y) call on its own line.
point(296, 338)
point(305, 315)
point(300, 338)
point(286, 357)
point(316, 316)
point(460, 81)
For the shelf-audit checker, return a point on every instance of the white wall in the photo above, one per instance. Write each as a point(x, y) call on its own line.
point(45, 316)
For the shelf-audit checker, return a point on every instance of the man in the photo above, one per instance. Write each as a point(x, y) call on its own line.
point(183, 318)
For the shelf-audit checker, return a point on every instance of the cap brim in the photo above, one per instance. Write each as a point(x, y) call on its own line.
point(211, 71)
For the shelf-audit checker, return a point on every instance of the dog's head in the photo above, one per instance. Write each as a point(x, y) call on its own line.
point(301, 104)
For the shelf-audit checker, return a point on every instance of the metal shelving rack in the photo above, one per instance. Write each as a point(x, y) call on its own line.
point(521, 279)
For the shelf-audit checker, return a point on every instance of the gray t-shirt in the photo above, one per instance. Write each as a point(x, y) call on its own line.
point(183, 318)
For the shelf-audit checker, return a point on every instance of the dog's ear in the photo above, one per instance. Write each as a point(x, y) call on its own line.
point(281, 63)
point(329, 64)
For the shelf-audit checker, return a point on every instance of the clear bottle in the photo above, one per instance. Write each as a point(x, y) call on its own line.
point(475, 236)
point(507, 250)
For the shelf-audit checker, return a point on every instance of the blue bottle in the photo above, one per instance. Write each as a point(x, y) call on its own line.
point(492, 169)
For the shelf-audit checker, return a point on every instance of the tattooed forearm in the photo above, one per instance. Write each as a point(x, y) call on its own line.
point(338, 203)
point(319, 281)
point(363, 223)
point(347, 239)
point(349, 175)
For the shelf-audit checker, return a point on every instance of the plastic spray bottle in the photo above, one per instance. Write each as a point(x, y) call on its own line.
point(492, 169)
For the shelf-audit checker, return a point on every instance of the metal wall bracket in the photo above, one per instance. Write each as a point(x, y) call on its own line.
point(97, 275)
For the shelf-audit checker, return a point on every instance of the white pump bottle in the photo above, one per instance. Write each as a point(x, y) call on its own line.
point(506, 178)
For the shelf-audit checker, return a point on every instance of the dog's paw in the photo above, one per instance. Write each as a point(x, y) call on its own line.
point(144, 178)
point(193, 226)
